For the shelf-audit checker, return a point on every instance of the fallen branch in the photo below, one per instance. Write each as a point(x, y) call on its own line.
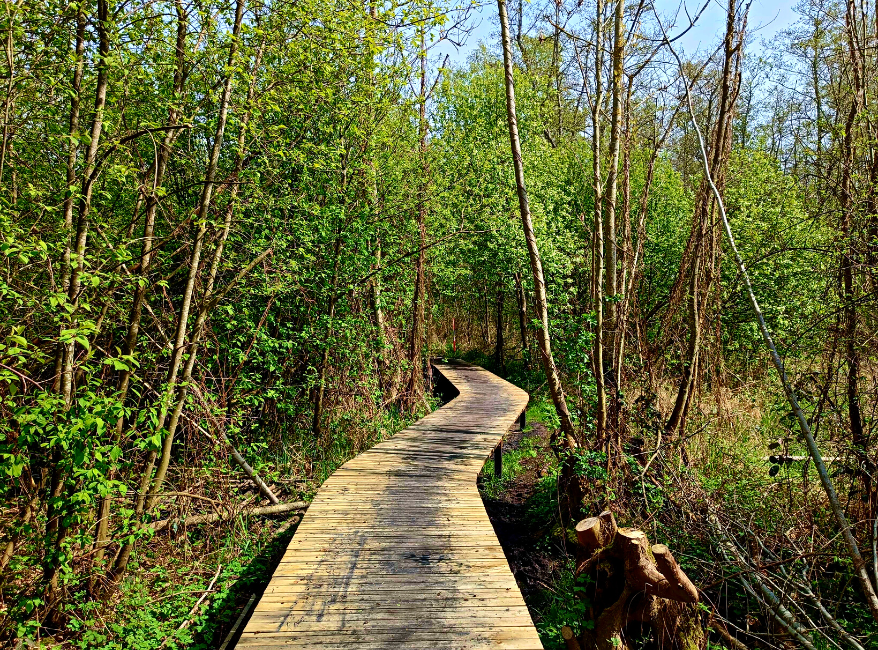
point(236, 455)
point(194, 610)
point(292, 521)
point(190, 496)
point(784, 617)
point(278, 509)
point(853, 549)
point(723, 631)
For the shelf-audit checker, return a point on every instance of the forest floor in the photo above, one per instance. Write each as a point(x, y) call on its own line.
point(523, 507)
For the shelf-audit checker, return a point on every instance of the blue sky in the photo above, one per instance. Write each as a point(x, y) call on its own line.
point(767, 18)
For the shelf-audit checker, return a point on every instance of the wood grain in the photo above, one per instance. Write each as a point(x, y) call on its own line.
point(397, 551)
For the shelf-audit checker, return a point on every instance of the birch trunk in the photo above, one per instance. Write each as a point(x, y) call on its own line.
point(848, 260)
point(609, 198)
point(415, 390)
point(553, 380)
point(195, 261)
point(597, 264)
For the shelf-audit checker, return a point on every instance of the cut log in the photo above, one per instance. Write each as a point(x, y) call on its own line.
point(640, 571)
point(569, 638)
point(596, 532)
point(631, 581)
point(588, 532)
point(661, 577)
point(680, 585)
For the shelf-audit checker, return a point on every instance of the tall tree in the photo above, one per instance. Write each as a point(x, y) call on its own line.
point(553, 379)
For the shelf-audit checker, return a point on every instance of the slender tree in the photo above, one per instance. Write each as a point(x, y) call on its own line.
point(553, 379)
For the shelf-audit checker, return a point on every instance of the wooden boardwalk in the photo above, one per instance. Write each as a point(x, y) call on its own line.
point(397, 551)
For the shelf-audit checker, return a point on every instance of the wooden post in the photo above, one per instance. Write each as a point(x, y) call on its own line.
point(498, 459)
point(522, 420)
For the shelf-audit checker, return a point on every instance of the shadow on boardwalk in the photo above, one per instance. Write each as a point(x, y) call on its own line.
point(396, 550)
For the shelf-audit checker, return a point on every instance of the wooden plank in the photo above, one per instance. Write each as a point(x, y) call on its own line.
point(381, 601)
point(472, 641)
point(397, 551)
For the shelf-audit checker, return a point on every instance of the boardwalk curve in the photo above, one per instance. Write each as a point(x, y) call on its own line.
point(396, 550)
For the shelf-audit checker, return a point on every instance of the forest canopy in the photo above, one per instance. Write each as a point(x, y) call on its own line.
point(234, 233)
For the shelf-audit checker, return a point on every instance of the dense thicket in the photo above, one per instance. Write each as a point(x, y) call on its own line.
point(207, 210)
point(232, 235)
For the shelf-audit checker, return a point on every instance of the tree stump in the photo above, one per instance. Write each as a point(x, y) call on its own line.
point(631, 584)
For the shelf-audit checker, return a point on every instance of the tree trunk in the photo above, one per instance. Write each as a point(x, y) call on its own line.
point(8, 100)
point(156, 173)
point(521, 299)
point(624, 306)
point(50, 572)
point(609, 198)
point(415, 390)
point(375, 282)
point(72, 155)
point(124, 554)
point(848, 259)
point(499, 361)
point(677, 419)
point(88, 180)
point(597, 258)
point(553, 380)
point(702, 245)
point(195, 261)
point(210, 295)
point(627, 580)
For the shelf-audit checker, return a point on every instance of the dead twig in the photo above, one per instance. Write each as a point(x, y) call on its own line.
point(194, 610)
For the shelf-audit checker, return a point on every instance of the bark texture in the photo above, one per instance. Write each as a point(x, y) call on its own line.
point(553, 380)
point(631, 584)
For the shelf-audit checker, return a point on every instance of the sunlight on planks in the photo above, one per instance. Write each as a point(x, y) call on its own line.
point(397, 551)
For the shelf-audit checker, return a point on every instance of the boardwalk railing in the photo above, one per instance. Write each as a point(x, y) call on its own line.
point(397, 551)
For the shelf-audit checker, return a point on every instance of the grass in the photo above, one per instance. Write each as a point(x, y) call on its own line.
point(157, 596)
point(169, 573)
point(491, 484)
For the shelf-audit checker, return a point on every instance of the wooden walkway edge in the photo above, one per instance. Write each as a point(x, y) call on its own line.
point(396, 550)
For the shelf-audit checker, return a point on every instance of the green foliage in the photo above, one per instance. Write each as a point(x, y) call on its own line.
point(562, 605)
point(785, 252)
point(316, 166)
point(328, 174)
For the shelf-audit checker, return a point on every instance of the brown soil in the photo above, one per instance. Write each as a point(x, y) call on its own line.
point(533, 547)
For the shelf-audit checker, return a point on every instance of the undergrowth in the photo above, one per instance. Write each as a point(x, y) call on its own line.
point(170, 573)
point(727, 463)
